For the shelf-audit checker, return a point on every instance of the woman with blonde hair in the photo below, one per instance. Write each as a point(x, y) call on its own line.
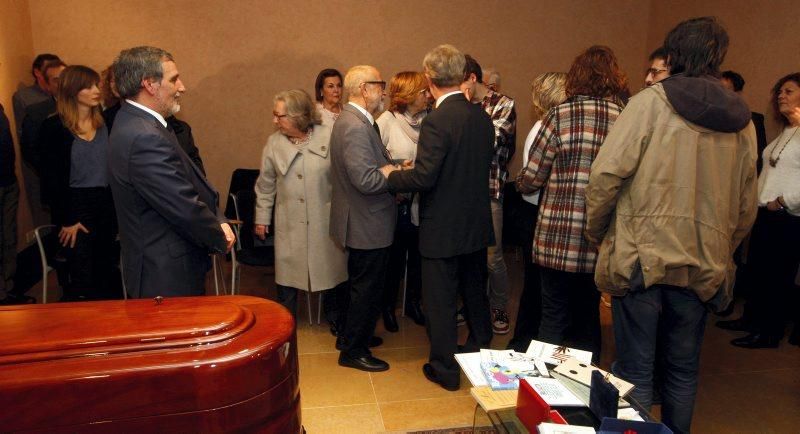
point(75, 144)
point(547, 91)
point(293, 194)
point(399, 126)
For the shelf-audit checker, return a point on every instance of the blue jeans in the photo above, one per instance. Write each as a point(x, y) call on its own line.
point(682, 318)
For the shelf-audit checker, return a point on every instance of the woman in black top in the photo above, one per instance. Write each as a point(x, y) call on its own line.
point(75, 145)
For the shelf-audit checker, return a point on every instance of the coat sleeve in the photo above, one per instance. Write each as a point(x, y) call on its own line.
point(616, 161)
point(156, 172)
point(55, 167)
point(543, 151)
point(748, 197)
point(431, 153)
point(363, 170)
point(266, 188)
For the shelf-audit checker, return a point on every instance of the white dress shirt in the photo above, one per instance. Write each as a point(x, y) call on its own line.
point(148, 110)
point(364, 111)
point(443, 97)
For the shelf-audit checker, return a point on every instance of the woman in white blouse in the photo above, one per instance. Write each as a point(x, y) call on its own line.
point(775, 240)
point(293, 194)
point(328, 93)
point(547, 91)
point(399, 126)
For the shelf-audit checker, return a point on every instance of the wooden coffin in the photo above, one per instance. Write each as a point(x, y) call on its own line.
point(186, 365)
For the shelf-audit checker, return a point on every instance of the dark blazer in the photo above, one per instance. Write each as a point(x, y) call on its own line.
point(181, 129)
point(167, 210)
point(761, 137)
point(56, 162)
point(452, 173)
point(363, 212)
point(30, 145)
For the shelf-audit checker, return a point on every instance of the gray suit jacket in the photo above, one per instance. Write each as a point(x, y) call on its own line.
point(363, 212)
point(166, 208)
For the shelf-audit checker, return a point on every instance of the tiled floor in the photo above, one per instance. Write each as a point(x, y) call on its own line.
point(741, 391)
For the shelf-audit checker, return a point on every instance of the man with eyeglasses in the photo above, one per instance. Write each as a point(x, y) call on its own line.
point(658, 69)
point(363, 213)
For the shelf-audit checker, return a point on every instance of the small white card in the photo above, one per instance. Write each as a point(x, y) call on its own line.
point(582, 373)
point(555, 354)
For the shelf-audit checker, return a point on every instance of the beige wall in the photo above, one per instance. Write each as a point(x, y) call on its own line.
point(763, 46)
point(233, 56)
point(16, 54)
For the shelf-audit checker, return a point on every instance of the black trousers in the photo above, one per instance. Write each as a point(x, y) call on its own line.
point(406, 241)
point(367, 270)
point(529, 315)
point(443, 280)
point(287, 297)
point(570, 310)
point(92, 262)
point(774, 256)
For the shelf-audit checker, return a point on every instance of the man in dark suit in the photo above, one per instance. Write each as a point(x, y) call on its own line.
point(166, 208)
point(363, 212)
point(452, 166)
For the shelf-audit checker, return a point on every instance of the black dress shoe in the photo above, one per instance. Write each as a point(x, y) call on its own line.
point(757, 340)
point(374, 341)
point(390, 321)
point(414, 311)
point(430, 374)
point(364, 363)
point(737, 325)
point(12, 299)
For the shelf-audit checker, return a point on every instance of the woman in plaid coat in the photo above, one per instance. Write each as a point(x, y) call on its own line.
point(559, 161)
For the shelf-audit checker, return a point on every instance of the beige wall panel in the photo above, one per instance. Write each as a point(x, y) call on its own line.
point(16, 55)
point(234, 55)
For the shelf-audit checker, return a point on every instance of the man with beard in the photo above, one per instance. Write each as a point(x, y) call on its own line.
point(167, 209)
point(363, 212)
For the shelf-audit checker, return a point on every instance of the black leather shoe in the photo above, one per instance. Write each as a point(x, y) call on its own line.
point(390, 321)
point(414, 311)
point(757, 340)
point(365, 363)
point(737, 325)
point(12, 299)
point(430, 374)
point(373, 342)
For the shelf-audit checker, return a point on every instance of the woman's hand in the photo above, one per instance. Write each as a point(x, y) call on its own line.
point(774, 205)
point(69, 234)
point(261, 231)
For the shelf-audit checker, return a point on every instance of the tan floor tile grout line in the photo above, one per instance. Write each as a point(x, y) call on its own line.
point(375, 395)
point(336, 406)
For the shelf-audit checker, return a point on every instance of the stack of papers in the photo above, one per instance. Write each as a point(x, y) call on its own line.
point(555, 354)
point(554, 428)
point(554, 393)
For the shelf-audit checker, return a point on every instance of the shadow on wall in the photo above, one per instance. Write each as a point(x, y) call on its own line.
point(233, 134)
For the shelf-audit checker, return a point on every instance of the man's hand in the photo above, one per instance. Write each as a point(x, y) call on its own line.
point(69, 234)
point(387, 169)
point(261, 231)
point(407, 165)
point(229, 236)
point(774, 205)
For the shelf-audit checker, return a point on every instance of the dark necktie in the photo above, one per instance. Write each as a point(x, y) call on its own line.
point(383, 148)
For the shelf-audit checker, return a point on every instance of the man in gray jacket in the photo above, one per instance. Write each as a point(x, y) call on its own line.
point(363, 212)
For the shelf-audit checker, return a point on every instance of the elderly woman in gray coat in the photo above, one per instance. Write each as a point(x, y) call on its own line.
point(295, 183)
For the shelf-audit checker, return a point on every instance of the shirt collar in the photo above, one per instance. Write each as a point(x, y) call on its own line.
point(363, 111)
point(148, 110)
point(443, 97)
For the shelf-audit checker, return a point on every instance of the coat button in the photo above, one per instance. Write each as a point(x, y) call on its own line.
point(323, 147)
point(646, 268)
point(302, 200)
point(299, 176)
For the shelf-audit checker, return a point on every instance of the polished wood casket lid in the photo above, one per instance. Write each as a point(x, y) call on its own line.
point(98, 363)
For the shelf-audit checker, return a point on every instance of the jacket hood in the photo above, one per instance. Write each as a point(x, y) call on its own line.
point(703, 101)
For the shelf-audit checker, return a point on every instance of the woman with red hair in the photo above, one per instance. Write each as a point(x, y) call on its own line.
point(559, 162)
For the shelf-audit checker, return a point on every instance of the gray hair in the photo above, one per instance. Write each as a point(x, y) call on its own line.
point(548, 91)
point(136, 64)
point(300, 108)
point(355, 76)
point(445, 66)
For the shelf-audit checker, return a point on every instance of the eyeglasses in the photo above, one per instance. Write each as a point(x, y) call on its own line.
point(655, 71)
point(381, 83)
point(275, 115)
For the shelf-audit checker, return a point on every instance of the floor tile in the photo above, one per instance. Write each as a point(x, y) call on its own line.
point(431, 413)
point(404, 380)
point(324, 383)
point(352, 419)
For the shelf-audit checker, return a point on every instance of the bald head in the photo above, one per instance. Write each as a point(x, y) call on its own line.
point(356, 76)
point(365, 87)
